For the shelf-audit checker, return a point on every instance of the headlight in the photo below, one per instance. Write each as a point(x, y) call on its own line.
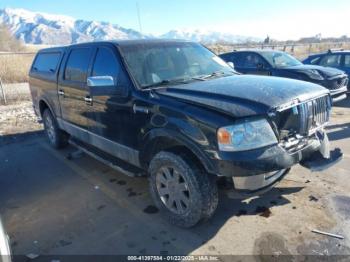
point(314, 74)
point(246, 135)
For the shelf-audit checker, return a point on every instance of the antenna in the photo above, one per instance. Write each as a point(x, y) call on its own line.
point(138, 16)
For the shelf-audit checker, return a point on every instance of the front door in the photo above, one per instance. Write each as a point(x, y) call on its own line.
point(111, 114)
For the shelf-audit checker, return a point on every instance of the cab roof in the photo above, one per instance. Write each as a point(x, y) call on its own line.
point(118, 43)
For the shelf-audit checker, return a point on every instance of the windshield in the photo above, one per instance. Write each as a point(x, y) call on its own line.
point(171, 63)
point(280, 60)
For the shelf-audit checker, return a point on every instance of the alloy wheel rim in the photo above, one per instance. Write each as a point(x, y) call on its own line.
point(173, 190)
point(50, 129)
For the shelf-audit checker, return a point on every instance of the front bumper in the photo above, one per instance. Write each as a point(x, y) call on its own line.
point(262, 160)
point(339, 94)
point(256, 171)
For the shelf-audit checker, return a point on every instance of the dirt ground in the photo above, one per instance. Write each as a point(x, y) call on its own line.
point(54, 205)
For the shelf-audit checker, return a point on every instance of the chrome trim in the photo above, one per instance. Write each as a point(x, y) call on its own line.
point(110, 164)
point(258, 181)
point(339, 98)
point(339, 90)
point(93, 81)
point(120, 151)
point(337, 76)
point(299, 101)
point(88, 99)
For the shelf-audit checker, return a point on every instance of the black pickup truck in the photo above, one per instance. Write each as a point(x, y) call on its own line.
point(177, 113)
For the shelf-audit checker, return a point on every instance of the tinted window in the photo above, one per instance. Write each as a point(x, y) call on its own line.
point(331, 60)
point(46, 62)
point(105, 63)
point(251, 60)
point(347, 61)
point(236, 59)
point(280, 59)
point(77, 65)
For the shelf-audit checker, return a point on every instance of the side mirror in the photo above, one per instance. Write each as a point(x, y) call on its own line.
point(101, 85)
point(93, 81)
point(231, 64)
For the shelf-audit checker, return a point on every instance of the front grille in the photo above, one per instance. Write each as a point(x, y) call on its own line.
point(337, 83)
point(314, 114)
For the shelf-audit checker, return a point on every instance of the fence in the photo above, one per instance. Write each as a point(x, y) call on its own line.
point(14, 68)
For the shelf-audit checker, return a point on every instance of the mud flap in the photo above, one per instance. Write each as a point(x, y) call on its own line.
point(324, 158)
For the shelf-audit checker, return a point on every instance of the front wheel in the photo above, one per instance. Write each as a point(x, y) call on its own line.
point(57, 137)
point(183, 192)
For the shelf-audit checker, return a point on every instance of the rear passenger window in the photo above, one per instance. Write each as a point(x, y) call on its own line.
point(77, 65)
point(331, 60)
point(105, 64)
point(347, 61)
point(46, 62)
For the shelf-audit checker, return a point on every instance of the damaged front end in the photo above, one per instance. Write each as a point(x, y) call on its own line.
point(300, 124)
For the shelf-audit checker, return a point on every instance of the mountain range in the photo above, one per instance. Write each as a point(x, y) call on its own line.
point(49, 29)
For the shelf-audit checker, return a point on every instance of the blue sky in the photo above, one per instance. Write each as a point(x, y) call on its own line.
point(290, 19)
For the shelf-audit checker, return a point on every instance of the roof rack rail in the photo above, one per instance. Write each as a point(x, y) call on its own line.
point(335, 49)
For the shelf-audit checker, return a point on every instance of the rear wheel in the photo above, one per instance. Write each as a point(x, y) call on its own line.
point(181, 190)
point(57, 137)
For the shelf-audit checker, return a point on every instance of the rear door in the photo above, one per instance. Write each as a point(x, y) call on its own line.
point(72, 89)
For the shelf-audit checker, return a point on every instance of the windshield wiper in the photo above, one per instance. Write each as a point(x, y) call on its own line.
point(164, 83)
point(214, 74)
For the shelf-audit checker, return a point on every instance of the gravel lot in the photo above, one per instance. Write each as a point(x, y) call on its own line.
point(53, 205)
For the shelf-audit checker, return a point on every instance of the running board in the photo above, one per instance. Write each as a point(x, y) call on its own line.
point(107, 159)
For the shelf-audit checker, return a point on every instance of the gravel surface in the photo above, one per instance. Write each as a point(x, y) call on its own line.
point(51, 204)
point(18, 118)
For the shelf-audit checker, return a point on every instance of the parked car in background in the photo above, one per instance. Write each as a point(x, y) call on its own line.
point(177, 113)
point(5, 252)
point(277, 63)
point(339, 59)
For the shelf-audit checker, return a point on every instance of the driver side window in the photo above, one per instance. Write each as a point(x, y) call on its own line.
point(331, 60)
point(106, 64)
point(252, 60)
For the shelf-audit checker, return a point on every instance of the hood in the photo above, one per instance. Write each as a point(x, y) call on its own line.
point(325, 71)
point(244, 95)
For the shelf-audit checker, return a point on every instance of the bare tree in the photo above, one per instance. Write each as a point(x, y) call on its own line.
point(7, 41)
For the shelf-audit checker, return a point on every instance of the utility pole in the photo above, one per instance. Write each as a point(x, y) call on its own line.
point(138, 16)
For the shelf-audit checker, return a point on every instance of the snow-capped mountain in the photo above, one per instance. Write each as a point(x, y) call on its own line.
point(40, 28)
point(208, 36)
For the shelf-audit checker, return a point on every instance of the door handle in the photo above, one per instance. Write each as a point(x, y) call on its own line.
point(88, 100)
point(60, 92)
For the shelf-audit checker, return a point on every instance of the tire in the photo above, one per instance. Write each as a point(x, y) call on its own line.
point(181, 190)
point(57, 137)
